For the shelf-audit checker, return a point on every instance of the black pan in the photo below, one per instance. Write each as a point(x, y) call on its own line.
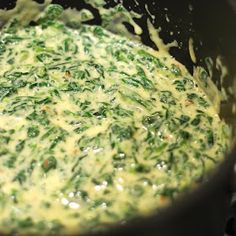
point(212, 25)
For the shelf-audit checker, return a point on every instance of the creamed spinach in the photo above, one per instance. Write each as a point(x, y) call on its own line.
point(95, 129)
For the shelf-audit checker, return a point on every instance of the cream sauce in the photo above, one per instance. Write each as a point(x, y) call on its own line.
point(86, 116)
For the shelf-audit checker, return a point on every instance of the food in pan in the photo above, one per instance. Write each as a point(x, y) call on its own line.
point(95, 128)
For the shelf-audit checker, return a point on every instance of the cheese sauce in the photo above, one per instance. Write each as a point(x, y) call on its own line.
point(95, 129)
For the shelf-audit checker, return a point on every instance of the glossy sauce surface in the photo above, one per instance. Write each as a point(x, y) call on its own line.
point(95, 128)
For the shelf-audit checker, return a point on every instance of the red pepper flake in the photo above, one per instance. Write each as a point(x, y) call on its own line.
point(45, 163)
point(163, 200)
point(188, 103)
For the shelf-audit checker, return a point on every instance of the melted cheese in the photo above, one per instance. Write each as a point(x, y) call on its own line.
point(86, 116)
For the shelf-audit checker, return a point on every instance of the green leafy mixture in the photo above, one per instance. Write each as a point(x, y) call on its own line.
point(95, 129)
